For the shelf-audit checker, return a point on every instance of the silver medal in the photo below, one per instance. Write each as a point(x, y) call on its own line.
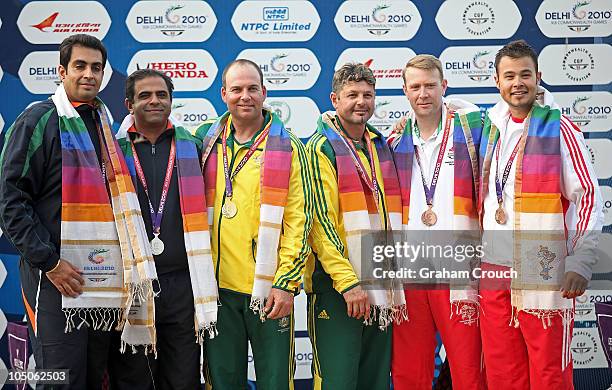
point(157, 245)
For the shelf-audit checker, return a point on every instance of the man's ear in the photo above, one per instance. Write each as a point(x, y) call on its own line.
point(334, 99)
point(444, 86)
point(129, 106)
point(224, 94)
point(62, 72)
point(496, 81)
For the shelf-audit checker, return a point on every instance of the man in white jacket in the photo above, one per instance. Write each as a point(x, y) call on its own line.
point(541, 211)
point(436, 157)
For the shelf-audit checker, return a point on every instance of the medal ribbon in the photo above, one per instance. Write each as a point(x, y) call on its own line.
point(228, 178)
point(156, 217)
point(103, 152)
point(417, 131)
point(371, 183)
point(499, 187)
point(431, 189)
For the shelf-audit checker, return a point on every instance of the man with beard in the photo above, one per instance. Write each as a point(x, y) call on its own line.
point(356, 190)
point(64, 194)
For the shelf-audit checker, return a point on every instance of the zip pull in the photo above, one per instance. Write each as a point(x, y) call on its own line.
point(153, 149)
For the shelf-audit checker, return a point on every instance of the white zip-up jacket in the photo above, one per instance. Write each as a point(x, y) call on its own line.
point(583, 215)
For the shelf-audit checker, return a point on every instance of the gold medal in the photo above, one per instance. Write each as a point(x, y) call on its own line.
point(428, 217)
point(229, 209)
point(500, 215)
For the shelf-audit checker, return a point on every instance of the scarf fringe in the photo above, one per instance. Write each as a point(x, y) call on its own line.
point(142, 290)
point(147, 348)
point(401, 314)
point(386, 315)
point(97, 318)
point(546, 316)
point(257, 306)
point(212, 332)
point(468, 310)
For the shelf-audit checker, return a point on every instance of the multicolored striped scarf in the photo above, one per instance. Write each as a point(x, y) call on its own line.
point(107, 240)
point(539, 217)
point(195, 223)
point(274, 188)
point(467, 129)
point(362, 216)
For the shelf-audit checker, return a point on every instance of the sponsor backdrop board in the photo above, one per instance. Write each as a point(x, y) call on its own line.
point(298, 44)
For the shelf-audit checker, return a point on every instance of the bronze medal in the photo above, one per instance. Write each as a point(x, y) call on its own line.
point(429, 217)
point(229, 209)
point(500, 215)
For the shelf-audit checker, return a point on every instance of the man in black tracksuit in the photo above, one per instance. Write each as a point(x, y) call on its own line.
point(149, 99)
point(30, 216)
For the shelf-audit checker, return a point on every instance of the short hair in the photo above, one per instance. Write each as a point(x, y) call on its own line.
point(65, 48)
point(243, 62)
point(140, 74)
point(352, 72)
point(424, 62)
point(516, 49)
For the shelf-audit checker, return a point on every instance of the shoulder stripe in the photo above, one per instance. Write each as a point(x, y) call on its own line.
point(321, 206)
point(300, 261)
point(582, 173)
point(579, 166)
point(570, 124)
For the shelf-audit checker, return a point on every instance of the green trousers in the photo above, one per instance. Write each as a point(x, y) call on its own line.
point(347, 355)
point(272, 343)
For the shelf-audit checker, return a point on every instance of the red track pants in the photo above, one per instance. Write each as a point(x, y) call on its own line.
point(524, 357)
point(414, 343)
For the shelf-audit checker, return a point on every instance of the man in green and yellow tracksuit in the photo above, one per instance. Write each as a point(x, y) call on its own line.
point(351, 166)
point(260, 208)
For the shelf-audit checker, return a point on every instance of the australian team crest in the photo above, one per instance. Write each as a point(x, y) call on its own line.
point(283, 324)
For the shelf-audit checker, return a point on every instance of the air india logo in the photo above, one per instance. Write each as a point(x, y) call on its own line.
point(49, 25)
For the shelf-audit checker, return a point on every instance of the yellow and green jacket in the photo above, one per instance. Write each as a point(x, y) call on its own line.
point(328, 266)
point(234, 240)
